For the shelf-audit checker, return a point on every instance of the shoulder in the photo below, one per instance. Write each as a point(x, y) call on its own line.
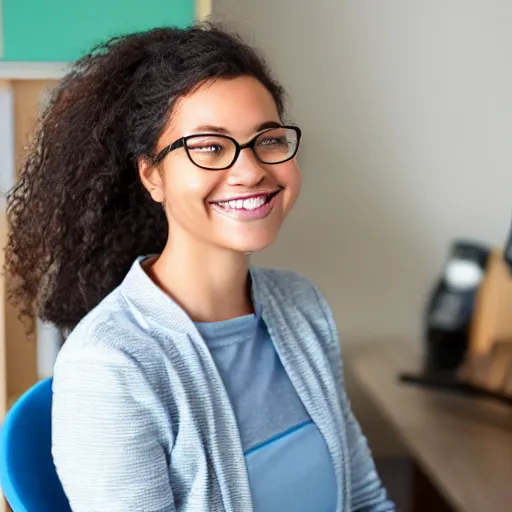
point(300, 300)
point(109, 360)
point(296, 294)
point(291, 288)
point(111, 333)
point(287, 283)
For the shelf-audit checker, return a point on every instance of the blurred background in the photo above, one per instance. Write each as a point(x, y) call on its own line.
point(406, 108)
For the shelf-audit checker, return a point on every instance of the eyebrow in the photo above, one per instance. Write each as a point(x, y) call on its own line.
point(208, 128)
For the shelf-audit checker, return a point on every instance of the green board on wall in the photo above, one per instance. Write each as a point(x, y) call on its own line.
point(63, 30)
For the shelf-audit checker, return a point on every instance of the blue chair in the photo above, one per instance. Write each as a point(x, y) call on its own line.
point(27, 475)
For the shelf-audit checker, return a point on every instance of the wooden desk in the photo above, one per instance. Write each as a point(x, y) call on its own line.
point(462, 444)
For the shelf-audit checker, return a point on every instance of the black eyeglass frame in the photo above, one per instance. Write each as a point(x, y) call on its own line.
point(182, 143)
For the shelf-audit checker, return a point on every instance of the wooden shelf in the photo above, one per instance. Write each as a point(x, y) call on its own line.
point(10, 401)
point(18, 351)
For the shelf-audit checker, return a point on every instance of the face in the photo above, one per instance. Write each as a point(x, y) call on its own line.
point(240, 208)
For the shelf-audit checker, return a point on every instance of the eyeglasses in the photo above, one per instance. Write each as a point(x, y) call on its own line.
point(218, 152)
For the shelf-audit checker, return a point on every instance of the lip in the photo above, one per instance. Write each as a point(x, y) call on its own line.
point(246, 196)
point(249, 215)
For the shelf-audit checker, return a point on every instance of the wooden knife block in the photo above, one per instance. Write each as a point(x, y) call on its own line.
point(489, 357)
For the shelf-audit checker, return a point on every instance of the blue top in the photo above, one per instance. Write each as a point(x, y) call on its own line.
point(288, 463)
point(141, 419)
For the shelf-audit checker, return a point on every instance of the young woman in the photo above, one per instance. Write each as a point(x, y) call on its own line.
point(189, 380)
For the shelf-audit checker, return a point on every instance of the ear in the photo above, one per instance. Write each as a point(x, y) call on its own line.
point(151, 178)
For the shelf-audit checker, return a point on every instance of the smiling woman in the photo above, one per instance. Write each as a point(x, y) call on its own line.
point(189, 380)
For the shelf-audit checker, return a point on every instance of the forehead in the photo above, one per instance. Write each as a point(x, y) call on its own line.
point(237, 105)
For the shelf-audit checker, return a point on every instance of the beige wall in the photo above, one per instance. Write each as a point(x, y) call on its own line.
point(407, 111)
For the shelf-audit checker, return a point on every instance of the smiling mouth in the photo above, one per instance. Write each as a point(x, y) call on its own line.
point(249, 204)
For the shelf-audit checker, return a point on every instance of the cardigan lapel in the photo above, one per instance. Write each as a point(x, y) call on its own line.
point(304, 358)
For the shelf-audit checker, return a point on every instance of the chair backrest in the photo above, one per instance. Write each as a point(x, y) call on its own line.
point(27, 474)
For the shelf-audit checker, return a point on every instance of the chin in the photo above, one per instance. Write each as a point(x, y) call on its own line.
point(252, 244)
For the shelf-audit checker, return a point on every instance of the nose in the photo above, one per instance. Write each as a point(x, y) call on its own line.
point(247, 171)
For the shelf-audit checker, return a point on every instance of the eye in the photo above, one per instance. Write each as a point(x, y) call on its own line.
point(210, 145)
point(205, 148)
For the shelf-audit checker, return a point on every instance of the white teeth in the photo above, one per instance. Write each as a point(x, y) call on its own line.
point(252, 203)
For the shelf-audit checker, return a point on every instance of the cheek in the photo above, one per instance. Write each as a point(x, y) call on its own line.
point(188, 186)
point(290, 177)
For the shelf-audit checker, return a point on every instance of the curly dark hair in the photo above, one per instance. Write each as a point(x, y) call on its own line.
point(79, 215)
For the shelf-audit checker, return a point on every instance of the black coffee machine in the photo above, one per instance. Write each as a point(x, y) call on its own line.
point(450, 308)
point(448, 318)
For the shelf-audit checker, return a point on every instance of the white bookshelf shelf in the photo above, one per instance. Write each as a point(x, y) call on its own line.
point(32, 70)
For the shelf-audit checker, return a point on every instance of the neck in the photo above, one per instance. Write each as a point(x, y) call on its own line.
point(210, 284)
